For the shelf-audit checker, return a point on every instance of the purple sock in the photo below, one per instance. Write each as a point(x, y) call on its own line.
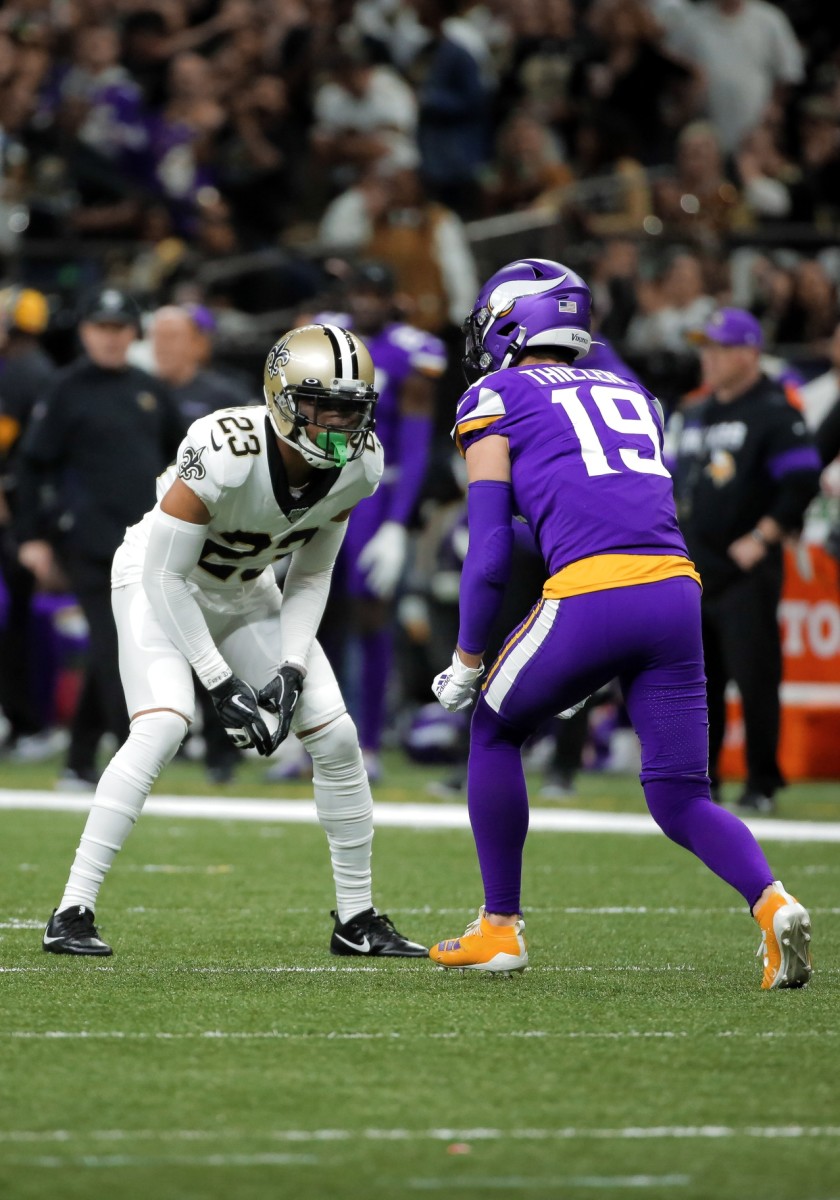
point(683, 811)
point(498, 806)
point(377, 652)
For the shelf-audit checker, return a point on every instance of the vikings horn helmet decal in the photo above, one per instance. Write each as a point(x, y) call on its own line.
point(531, 303)
point(316, 372)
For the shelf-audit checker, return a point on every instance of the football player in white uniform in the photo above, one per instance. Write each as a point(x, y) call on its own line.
point(193, 587)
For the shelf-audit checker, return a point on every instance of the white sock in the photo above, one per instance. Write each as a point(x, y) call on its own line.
point(345, 810)
point(120, 796)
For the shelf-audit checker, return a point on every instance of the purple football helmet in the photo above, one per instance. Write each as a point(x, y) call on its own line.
point(531, 303)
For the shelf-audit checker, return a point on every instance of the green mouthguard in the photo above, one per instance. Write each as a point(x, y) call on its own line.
point(335, 445)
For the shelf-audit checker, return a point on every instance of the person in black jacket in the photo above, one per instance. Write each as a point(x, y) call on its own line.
point(25, 372)
point(88, 461)
point(745, 472)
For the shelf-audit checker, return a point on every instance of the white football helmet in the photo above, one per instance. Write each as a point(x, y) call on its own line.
point(327, 369)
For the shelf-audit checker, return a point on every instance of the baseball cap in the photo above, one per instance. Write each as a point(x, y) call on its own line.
point(24, 309)
point(111, 305)
point(729, 327)
point(201, 316)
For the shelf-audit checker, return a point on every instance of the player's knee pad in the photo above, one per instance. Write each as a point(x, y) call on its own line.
point(152, 742)
point(335, 752)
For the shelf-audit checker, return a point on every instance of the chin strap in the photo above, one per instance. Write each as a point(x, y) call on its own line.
point(514, 347)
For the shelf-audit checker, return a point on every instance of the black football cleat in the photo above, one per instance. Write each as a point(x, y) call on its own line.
point(372, 934)
point(72, 931)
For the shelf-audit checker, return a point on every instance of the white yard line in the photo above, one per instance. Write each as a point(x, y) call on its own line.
point(177, 1160)
point(508, 1183)
point(396, 1035)
point(407, 816)
point(481, 1134)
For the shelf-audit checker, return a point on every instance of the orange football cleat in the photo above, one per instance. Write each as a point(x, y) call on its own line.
point(484, 947)
point(785, 940)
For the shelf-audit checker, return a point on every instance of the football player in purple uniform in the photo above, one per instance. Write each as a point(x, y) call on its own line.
point(577, 453)
point(408, 361)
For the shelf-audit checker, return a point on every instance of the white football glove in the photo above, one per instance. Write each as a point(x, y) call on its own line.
point(456, 687)
point(383, 558)
point(568, 713)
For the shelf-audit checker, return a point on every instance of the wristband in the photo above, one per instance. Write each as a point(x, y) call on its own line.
point(758, 536)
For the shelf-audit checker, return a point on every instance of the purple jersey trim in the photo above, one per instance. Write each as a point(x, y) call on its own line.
point(804, 458)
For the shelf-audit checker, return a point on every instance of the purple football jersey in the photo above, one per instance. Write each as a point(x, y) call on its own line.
point(397, 350)
point(586, 459)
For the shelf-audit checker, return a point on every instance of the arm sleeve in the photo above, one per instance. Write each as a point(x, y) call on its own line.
point(305, 592)
point(414, 439)
point(487, 565)
point(173, 551)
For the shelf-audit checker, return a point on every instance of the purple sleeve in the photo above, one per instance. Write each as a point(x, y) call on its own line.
point(487, 565)
point(414, 439)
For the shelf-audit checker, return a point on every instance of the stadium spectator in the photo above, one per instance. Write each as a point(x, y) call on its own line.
point(771, 184)
point(181, 347)
point(810, 314)
point(25, 374)
point(612, 196)
point(455, 107)
point(820, 395)
point(698, 199)
point(748, 52)
point(193, 591)
point(257, 150)
point(388, 216)
point(545, 44)
point(632, 78)
point(408, 362)
point(677, 303)
point(528, 165)
point(98, 437)
point(363, 112)
point(746, 470)
point(621, 599)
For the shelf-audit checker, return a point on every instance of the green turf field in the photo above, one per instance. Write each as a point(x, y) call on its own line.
point(222, 1052)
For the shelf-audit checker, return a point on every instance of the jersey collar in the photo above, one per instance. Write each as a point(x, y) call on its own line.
point(319, 484)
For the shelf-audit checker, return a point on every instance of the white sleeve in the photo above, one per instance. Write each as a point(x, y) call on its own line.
point(457, 266)
point(174, 549)
point(305, 592)
point(346, 222)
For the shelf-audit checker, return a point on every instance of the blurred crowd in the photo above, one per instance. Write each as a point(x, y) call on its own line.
point(199, 131)
point(229, 162)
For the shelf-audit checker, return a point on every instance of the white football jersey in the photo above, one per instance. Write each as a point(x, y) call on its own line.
point(231, 460)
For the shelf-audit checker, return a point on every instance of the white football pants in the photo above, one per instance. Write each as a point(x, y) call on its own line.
point(156, 676)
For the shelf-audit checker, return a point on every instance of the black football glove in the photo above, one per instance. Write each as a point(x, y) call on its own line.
point(236, 703)
point(281, 696)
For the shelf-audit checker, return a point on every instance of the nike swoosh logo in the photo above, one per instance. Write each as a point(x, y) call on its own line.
point(48, 941)
point(503, 297)
point(238, 701)
point(213, 441)
point(363, 946)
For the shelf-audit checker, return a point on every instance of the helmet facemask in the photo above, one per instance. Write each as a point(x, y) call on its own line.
point(302, 389)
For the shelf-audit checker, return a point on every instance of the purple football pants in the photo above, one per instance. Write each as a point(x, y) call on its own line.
point(649, 637)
